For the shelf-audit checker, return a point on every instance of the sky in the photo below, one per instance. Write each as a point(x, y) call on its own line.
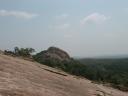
point(83, 28)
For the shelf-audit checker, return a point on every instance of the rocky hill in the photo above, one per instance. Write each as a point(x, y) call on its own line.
point(19, 77)
point(54, 53)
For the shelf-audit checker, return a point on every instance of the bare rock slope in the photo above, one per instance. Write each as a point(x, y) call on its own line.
point(24, 78)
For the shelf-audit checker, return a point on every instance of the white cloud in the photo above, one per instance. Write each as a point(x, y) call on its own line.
point(18, 14)
point(95, 18)
point(62, 16)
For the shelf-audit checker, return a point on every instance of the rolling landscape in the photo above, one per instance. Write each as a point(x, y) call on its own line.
point(21, 75)
point(25, 77)
point(63, 48)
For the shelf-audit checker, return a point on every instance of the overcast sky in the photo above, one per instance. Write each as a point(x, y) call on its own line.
point(83, 28)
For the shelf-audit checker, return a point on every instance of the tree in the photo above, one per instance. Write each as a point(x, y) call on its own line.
point(23, 51)
point(31, 50)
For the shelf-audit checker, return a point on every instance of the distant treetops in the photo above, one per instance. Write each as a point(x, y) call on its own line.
point(25, 52)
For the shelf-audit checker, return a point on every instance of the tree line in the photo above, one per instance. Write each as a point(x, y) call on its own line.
point(25, 52)
point(112, 71)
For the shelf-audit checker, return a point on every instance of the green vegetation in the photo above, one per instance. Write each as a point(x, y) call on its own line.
point(57, 58)
point(24, 52)
point(113, 71)
point(72, 66)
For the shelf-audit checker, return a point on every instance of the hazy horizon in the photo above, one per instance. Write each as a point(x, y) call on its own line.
point(83, 28)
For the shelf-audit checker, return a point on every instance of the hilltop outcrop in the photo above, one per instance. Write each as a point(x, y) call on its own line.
point(53, 53)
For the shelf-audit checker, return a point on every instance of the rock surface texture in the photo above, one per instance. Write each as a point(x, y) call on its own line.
point(54, 53)
point(24, 78)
